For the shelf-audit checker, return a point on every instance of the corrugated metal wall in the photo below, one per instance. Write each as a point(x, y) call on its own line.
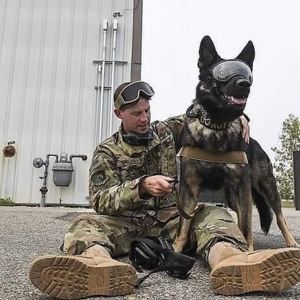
point(50, 68)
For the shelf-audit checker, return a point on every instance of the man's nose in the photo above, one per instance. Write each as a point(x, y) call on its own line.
point(144, 117)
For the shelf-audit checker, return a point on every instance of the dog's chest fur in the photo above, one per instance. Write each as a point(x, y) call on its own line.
point(198, 135)
point(214, 175)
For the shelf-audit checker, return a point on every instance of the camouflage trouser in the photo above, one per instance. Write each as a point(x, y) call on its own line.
point(210, 225)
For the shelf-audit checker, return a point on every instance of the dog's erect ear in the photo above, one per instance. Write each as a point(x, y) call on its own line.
point(247, 55)
point(207, 53)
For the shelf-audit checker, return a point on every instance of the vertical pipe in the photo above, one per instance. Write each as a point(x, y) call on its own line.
point(100, 100)
point(113, 63)
point(97, 104)
point(44, 188)
point(97, 119)
point(296, 159)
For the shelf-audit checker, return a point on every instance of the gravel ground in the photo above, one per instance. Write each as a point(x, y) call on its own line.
point(28, 232)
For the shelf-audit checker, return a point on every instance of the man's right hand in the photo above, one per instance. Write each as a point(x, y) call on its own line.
point(156, 186)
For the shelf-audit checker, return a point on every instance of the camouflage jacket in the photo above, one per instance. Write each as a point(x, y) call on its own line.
point(117, 168)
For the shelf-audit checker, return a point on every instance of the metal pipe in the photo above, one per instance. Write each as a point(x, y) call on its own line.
point(82, 156)
point(113, 63)
point(97, 119)
point(296, 162)
point(101, 100)
point(44, 188)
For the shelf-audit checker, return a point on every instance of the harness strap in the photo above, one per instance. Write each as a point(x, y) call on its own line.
point(230, 157)
point(183, 213)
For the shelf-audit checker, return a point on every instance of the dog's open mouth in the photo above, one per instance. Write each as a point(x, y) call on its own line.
point(234, 100)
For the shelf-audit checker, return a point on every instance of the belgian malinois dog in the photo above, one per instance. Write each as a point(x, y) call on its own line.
point(214, 154)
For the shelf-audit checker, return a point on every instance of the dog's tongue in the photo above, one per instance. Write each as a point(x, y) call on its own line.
point(238, 100)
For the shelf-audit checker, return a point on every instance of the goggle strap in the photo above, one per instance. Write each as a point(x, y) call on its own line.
point(165, 268)
point(120, 99)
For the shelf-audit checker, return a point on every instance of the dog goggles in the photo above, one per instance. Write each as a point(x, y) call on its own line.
point(225, 70)
point(132, 92)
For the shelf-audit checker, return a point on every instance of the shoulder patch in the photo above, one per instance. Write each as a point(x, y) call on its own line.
point(99, 178)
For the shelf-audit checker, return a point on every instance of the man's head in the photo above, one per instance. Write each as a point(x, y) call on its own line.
point(131, 100)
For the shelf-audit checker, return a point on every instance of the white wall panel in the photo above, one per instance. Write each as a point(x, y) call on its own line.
point(48, 76)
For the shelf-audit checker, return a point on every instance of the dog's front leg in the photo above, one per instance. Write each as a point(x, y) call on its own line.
point(188, 194)
point(246, 206)
point(182, 235)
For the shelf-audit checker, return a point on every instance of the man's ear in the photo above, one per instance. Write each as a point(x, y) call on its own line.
point(117, 112)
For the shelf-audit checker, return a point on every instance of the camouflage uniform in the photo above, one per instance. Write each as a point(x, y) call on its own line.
point(115, 173)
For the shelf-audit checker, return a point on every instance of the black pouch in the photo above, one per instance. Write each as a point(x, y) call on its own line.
point(157, 254)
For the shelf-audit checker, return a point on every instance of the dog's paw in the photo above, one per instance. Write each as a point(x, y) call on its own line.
point(294, 245)
point(177, 247)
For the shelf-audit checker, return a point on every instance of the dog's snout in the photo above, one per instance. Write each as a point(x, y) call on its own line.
point(243, 83)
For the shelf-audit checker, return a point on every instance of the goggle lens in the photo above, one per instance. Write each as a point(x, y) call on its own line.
point(225, 70)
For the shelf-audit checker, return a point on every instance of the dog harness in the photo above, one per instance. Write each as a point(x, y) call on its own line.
point(231, 157)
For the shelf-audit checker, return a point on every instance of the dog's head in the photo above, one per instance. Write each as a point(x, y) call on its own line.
point(224, 84)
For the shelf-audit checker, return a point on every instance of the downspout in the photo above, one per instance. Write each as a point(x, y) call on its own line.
point(113, 63)
point(101, 100)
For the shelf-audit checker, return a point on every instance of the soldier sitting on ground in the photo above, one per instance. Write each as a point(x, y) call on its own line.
point(129, 171)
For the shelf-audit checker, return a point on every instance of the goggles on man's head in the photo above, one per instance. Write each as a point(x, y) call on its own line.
point(132, 92)
point(225, 70)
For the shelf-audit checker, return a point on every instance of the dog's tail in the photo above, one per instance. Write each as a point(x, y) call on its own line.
point(264, 210)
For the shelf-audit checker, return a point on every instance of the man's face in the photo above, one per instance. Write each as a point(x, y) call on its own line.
point(136, 118)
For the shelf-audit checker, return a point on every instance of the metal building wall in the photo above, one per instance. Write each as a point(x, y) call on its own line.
point(51, 67)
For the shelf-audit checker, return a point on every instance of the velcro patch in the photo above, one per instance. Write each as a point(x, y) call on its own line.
point(99, 178)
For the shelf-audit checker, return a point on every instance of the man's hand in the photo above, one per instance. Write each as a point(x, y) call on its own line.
point(157, 185)
point(246, 129)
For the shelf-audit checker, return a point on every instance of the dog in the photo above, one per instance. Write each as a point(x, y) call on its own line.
point(214, 154)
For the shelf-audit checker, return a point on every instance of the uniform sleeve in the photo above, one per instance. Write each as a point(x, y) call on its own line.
point(176, 125)
point(107, 194)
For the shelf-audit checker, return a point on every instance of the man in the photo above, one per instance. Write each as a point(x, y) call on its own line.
point(131, 176)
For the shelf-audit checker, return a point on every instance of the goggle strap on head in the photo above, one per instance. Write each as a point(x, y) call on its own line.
point(132, 92)
point(119, 101)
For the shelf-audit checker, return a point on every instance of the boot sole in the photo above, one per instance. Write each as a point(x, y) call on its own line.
point(69, 278)
point(278, 272)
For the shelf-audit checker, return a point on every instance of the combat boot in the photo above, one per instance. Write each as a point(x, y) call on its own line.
point(235, 272)
point(93, 273)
